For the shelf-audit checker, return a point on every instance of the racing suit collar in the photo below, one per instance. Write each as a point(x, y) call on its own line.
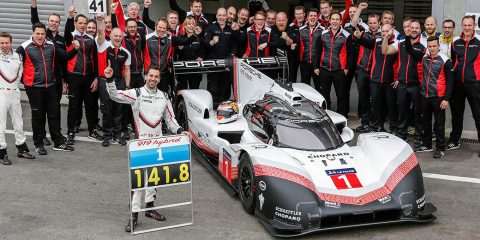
point(447, 40)
point(10, 53)
point(150, 91)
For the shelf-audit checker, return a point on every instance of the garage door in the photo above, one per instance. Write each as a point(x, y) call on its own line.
point(15, 17)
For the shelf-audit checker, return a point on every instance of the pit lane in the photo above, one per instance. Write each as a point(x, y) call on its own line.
point(84, 195)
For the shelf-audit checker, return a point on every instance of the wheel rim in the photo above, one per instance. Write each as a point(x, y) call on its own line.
point(246, 182)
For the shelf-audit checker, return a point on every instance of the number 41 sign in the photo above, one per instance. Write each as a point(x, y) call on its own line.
point(97, 6)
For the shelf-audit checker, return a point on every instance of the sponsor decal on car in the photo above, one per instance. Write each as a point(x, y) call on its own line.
point(345, 178)
point(195, 107)
point(291, 215)
point(333, 204)
point(261, 199)
point(385, 199)
point(421, 201)
point(262, 185)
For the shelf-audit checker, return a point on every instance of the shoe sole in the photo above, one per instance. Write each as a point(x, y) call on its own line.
point(96, 139)
point(439, 156)
point(452, 148)
point(422, 151)
point(61, 149)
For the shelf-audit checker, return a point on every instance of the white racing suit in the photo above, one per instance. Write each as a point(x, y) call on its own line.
point(11, 70)
point(149, 108)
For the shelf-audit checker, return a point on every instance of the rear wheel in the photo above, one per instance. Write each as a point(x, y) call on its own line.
point(246, 184)
point(181, 114)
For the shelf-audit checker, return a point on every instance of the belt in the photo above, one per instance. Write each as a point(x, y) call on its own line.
point(8, 89)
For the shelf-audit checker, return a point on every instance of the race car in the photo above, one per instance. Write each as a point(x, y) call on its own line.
point(286, 156)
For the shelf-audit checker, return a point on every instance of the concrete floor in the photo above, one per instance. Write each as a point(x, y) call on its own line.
point(84, 195)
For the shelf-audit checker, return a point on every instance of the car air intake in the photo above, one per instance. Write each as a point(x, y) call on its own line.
point(362, 218)
point(232, 137)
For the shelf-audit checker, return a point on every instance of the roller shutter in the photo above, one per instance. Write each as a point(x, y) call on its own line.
point(15, 17)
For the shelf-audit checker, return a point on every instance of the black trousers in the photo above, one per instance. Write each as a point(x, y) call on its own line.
point(111, 110)
point(166, 82)
point(79, 92)
point(189, 81)
point(43, 101)
point(471, 92)
point(348, 85)
point(432, 106)
point(306, 74)
point(136, 81)
point(408, 95)
point(293, 65)
point(363, 85)
point(220, 86)
point(382, 97)
point(338, 78)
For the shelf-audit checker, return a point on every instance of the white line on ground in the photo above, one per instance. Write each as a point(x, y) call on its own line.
point(82, 139)
point(451, 178)
point(426, 175)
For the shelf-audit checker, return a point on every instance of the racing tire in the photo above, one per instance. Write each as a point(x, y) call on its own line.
point(182, 117)
point(246, 184)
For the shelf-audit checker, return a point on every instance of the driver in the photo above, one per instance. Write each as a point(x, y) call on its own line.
point(149, 107)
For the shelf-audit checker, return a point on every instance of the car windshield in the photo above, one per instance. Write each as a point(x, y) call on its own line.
point(304, 126)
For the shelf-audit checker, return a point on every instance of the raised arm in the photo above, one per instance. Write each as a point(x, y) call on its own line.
point(356, 18)
point(387, 48)
point(118, 20)
point(345, 17)
point(34, 12)
point(418, 56)
point(100, 29)
point(146, 16)
point(69, 26)
point(182, 14)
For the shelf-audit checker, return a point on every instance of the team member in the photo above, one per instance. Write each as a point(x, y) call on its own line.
point(193, 51)
point(409, 79)
point(132, 12)
point(220, 44)
point(195, 11)
point(332, 63)
point(231, 14)
point(39, 59)
point(364, 65)
point(174, 28)
point(279, 35)
point(294, 33)
point(159, 51)
point(436, 89)
point(11, 70)
point(430, 28)
point(258, 5)
point(82, 72)
point(112, 52)
point(53, 22)
point(381, 78)
point(91, 27)
point(310, 35)
point(389, 18)
point(465, 51)
point(326, 9)
point(446, 38)
point(271, 18)
point(148, 116)
point(257, 37)
point(243, 25)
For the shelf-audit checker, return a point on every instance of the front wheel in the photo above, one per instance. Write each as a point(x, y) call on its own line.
point(246, 184)
point(181, 114)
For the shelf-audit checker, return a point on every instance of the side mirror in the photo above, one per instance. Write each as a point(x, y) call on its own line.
point(347, 134)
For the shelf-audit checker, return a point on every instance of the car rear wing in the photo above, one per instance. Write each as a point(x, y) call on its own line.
point(225, 65)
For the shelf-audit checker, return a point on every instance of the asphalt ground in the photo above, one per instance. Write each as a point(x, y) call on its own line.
point(84, 195)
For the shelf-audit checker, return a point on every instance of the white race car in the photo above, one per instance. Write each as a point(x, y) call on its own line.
point(286, 155)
